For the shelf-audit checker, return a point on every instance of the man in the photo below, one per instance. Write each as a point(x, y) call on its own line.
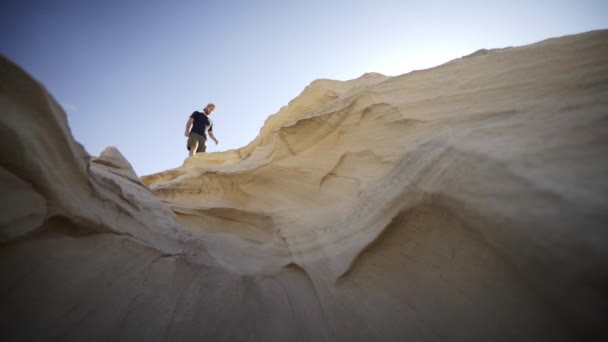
point(201, 125)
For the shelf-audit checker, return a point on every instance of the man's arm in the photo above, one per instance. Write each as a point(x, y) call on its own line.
point(188, 124)
point(213, 137)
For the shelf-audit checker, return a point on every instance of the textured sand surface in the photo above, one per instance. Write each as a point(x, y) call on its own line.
point(467, 202)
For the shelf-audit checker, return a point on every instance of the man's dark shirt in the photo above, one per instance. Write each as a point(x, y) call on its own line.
point(201, 121)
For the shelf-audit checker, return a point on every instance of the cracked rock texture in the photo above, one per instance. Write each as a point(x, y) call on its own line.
point(467, 202)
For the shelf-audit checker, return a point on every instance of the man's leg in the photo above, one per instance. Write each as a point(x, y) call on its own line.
point(193, 143)
point(200, 143)
point(193, 149)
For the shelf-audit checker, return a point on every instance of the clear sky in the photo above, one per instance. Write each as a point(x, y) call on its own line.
point(129, 73)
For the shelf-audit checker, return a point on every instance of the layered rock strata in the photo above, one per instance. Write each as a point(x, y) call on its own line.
point(462, 202)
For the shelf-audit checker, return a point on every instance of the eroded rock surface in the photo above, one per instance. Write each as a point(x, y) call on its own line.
point(463, 202)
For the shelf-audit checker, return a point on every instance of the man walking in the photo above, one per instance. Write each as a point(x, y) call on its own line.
point(201, 125)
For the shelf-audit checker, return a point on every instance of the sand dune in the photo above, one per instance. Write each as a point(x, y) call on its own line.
point(462, 202)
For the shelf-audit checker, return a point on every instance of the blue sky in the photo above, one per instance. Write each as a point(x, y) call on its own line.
point(129, 73)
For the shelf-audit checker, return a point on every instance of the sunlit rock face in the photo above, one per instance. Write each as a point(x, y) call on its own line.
point(466, 202)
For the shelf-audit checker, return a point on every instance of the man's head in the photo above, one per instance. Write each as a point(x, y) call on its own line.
point(209, 108)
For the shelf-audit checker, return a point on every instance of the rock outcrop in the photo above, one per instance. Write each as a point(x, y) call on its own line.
point(463, 202)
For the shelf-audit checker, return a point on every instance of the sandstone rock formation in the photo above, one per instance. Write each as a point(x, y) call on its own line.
point(466, 202)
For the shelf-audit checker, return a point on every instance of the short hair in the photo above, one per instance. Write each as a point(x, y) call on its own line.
point(210, 105)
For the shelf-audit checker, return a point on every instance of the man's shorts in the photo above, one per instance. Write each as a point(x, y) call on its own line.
point(195, 139)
